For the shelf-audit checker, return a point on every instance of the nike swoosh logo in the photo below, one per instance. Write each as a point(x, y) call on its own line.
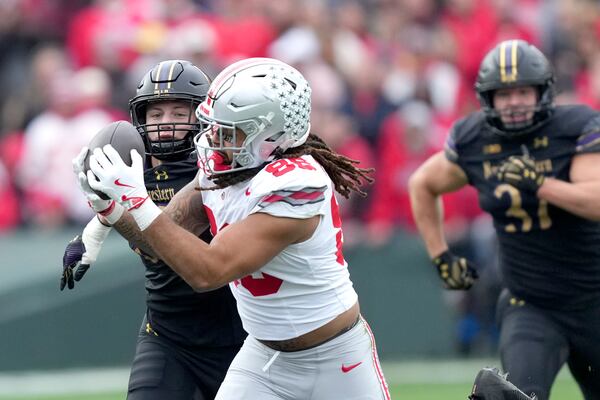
point(135, 201)
point(118, 183)
point(247, 192)
point(346, 369)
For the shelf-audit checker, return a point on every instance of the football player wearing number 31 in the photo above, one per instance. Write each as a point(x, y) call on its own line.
point(267, 189)
point(536, 167)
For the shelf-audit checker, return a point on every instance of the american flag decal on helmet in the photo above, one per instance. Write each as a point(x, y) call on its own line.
point(307, 195)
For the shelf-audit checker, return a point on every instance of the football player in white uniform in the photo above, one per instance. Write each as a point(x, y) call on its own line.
point(266, 189)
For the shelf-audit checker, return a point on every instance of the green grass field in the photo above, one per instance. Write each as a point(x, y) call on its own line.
point(563, 390)
point(443, 380)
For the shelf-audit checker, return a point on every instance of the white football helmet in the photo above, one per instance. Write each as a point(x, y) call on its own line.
point(266, 99)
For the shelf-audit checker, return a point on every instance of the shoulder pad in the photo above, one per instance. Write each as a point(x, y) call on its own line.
point(462, 132)
point(589, 140)
point(289, 174)
point(299, 183)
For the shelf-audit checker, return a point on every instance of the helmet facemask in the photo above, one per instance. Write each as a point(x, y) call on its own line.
point(169, 147)
point(539, 113)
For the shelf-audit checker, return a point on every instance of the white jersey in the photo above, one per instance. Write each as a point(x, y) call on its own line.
point(307, 284)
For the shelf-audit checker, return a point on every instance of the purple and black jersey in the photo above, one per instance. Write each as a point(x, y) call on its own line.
point(549, 256)
point(175, 310)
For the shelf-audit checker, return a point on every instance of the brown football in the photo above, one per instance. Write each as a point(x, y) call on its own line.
point(123, 136)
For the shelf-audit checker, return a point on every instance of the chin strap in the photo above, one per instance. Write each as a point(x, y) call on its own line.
point(218, 162)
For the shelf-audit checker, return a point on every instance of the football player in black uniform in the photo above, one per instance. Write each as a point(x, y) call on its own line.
point(187, 339)
point(536, 168)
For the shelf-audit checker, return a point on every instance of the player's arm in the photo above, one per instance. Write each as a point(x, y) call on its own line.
point(435, 177)
point(581, 195)
point(82, 251)
point(238, 250)
point(185, 209)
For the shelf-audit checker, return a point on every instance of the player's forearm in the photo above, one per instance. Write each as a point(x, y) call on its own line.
point(428, 215)
point(129, 229)
point(185, 253)
point(186, 210)
point(579, 198)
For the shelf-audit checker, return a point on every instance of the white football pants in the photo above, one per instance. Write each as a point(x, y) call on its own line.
point(346, 367)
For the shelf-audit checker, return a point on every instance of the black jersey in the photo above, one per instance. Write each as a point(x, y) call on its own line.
point(548, 256)
point(175, 310)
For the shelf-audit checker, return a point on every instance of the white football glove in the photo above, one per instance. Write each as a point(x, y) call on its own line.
point(108, 209)
point(109, 174)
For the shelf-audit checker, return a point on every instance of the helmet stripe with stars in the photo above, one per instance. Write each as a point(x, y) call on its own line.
point(228, 73)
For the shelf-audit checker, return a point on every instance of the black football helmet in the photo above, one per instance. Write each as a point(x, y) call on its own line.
point(169, 80)
point(515, 63)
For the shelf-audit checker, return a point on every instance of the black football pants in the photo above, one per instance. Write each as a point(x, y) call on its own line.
point(535, 343)
point(165, 370)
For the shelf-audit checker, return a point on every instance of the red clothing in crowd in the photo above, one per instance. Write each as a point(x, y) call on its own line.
point(396, 161)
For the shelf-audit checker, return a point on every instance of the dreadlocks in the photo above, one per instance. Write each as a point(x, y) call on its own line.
point(343, 171)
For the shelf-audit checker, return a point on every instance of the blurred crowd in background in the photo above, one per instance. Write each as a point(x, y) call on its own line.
point(389, 77)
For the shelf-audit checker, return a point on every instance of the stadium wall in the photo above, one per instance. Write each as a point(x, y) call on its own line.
point(96, 324)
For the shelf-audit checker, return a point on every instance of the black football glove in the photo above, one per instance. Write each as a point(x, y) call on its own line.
point(73, 269)
point(458, 273)
point(519, 171)
point(490, 384)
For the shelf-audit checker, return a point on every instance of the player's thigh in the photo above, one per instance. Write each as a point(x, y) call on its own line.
point(350, 369)
point(247, 377)
point(157, 373)
point(532, 346)
point(240, 385)
point(585, 351)
point(209, 366)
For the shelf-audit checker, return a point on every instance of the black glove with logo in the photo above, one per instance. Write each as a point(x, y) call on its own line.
point(519, 171)
point(73, 268)
point(457, 272)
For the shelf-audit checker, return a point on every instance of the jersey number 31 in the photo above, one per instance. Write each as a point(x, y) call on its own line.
point(516, 210)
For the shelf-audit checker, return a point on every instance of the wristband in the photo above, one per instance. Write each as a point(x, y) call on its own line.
point(145, 214)
point(110, 216)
